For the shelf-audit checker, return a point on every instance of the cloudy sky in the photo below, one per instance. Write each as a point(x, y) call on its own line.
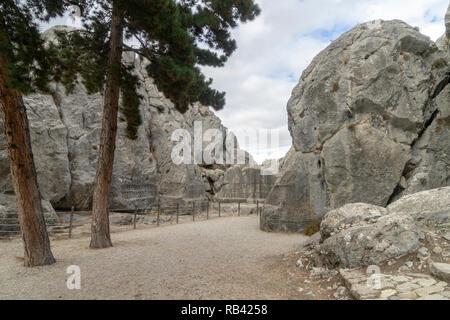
point(274, 49)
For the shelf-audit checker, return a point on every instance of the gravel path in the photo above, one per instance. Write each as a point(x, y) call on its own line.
point(228, 258)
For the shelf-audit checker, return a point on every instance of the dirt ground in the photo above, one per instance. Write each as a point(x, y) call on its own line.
point(227, 258)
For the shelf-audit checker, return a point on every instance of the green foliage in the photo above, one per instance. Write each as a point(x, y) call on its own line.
point(440, 63)
point(313, 225)
point(29, 63)
point(312, 228)
point(176, 37)
point(82, 53)
point(130, 103)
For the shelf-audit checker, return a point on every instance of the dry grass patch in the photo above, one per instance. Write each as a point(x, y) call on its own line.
point(336, 86)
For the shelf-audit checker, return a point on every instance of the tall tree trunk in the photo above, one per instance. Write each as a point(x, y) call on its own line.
point(100, 237)
point(23, 172)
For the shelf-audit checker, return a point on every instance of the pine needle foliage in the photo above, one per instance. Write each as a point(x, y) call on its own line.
point(30, 64)
point(176, 37)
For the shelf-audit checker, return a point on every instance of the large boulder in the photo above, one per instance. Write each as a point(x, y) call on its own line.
point(429, 167)
point(431, 207)
point(243, 183)
point(391, 236)
point(378, 71)
point(369, 123)
point(349, 216)
point(361, 234)
point(50, 149)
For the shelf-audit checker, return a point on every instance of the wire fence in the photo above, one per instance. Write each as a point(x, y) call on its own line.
point(156, 215)
point(10, 226)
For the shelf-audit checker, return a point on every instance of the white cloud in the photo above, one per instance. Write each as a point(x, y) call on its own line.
point(274, 49)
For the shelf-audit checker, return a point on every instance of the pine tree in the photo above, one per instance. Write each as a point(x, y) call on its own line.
point(25, 67)
point(175, 36)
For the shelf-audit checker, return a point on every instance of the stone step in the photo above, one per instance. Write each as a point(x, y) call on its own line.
point(440, 270)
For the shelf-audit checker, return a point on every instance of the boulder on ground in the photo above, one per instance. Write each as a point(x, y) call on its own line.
point(430, 207)
point(362, 234)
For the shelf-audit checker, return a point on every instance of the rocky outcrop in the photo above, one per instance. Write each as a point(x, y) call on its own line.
point(441, 271)
point(366, 243)
point(49, 133)
point(245, 183)
point(430, 207)
point(362, 158)
point(65, 131)
point(369, 122)
point(362, 234)
point(298, 195)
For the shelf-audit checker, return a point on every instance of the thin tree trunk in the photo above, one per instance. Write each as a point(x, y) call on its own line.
point(23, 172)
point(100, 237)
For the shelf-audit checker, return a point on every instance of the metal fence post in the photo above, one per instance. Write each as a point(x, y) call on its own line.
point(219, 209)
point(178, 212)
point(71, 222)
point(239, 209)
point(134, 219)
point(257, 207)
point(193, 211)
point(159, 213)
point(207, 211)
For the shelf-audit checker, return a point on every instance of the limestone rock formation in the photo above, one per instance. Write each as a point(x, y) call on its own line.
point(65, 130)
point(370, 123)
point(348, 216)
point(431, 207)
point(47, 131)
point(361, 234)
point(245, 183)
point(298, 195)
point(359, 159)
point(392, 236)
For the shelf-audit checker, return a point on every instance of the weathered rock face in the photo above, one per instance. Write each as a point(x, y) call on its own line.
point(299, 196)
point(362, 158)
point(65, 131)
point(373, 70)
point(362, 234)
point(369, 121)
point(242, 183)
point(8, 214)
point(390, 237)
point(350, 215)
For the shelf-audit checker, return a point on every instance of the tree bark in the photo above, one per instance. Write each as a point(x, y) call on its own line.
point(100, 237)
point(23, 172)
